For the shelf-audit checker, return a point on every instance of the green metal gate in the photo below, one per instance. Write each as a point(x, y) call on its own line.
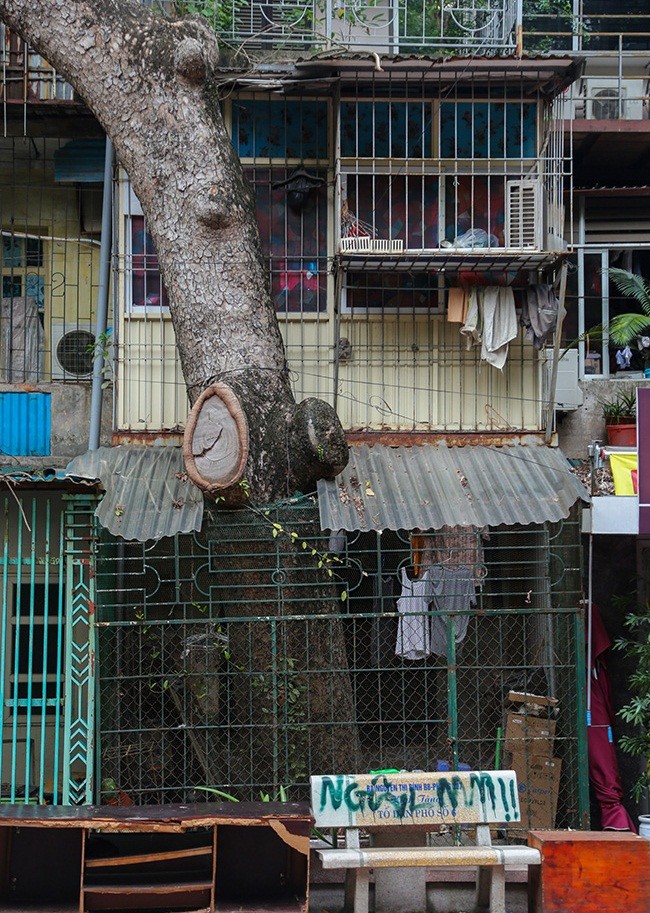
point(47, 647)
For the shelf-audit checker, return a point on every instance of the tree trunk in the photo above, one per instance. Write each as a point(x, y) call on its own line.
point(153, 86)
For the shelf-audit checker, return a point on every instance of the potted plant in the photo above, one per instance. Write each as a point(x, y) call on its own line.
point(620, 419)
point(637, 710)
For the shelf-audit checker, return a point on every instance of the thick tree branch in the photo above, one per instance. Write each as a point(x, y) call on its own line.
point(152, 85)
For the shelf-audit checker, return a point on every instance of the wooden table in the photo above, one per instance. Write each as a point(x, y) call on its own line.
point(233, 856)
point(592, 872)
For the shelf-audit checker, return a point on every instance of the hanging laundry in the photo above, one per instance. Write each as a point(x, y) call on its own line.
point(472, 326)
point(456, 305)
point(539, 314)
point(623, 358)
point(413, 640)
point(499, 325)
point(453, 590)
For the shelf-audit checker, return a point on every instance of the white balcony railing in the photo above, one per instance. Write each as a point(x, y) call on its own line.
point(386, 26)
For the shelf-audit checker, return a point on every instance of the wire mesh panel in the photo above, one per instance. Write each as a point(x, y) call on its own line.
point(244, 661)
point(50, 206)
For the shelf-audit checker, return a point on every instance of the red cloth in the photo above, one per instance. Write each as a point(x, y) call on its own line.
point(603, 765)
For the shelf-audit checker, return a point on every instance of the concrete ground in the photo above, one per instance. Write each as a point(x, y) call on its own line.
point(442, 897)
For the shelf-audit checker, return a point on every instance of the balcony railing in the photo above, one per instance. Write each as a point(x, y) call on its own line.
point(385, 26)
point(25, 75)
point(589, 31)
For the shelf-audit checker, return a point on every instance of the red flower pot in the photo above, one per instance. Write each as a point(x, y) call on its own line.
point(623, 435)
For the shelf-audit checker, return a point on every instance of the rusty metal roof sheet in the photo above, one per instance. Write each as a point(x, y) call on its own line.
point(432, 486)
point(148, 495)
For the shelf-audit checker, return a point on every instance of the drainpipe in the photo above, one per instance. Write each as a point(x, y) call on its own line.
point(550, 414)
point(102, 301)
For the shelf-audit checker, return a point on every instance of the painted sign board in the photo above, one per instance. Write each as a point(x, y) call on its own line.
point(379, 800)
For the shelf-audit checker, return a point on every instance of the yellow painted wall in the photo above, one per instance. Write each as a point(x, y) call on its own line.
point(32, 203)
point(403, 373)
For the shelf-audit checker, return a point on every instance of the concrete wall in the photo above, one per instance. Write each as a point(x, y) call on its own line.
point(71, 418)
point(577, 429)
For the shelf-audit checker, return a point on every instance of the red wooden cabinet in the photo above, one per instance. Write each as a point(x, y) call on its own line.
point(592, 872)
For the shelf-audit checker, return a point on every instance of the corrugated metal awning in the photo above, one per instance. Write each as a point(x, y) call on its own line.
point(148, 494)
point(431, 486)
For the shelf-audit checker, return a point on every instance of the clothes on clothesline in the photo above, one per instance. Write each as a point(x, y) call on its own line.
point(453, 590)
point(499, 325)
point(488, 316)
point(539, 313)
point(413, 636)
point(491, 320)
point(471, 329)
point(422, 630)
point(623, 358)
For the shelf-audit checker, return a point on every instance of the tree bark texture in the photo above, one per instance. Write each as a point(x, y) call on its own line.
point(292, 710)
point(153, 86)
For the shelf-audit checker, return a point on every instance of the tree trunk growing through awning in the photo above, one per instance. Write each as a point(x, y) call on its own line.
point(152, 84)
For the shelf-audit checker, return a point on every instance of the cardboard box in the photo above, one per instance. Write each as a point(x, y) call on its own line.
point(538, 783)
point(530, 723)
point(527, 733)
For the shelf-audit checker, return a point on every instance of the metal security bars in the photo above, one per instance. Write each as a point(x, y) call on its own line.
point(47, 653)
point(50, 199)
point(233, 660)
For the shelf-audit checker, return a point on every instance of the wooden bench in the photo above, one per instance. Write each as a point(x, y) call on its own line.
point(397, 810)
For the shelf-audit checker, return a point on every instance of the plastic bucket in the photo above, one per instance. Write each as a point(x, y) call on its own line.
point(644, 826)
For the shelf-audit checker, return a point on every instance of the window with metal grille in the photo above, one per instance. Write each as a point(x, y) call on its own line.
point(35, 649)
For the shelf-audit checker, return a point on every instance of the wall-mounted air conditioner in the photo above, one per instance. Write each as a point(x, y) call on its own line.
point(72, 350)
point(524, 228)
point(607, 99)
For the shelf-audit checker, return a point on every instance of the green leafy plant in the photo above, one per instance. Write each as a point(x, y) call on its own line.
point(637, 710)
point(218, 792)
point(103, 346)
point(621, 410)
point(633, 327)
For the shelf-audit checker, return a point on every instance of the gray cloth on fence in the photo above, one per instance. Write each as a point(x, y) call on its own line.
point(413, 634)
point(453, 589)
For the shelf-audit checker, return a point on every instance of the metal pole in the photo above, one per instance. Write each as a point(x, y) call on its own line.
point(102, 302)
point(550, 415)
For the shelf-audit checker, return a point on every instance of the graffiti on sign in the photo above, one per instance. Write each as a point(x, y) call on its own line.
point(342, 800)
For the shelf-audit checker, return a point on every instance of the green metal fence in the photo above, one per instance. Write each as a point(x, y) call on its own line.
point(47, 652)
point(252, 655)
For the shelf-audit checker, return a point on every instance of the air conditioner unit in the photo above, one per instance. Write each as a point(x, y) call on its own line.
point(72, 350)
point(523, 228)
point(607, 99)
point(568, 393)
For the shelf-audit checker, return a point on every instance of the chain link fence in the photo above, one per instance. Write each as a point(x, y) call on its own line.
point(248, 657)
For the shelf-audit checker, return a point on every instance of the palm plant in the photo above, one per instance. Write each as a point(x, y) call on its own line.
point(633, 327)
point(637, 711)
